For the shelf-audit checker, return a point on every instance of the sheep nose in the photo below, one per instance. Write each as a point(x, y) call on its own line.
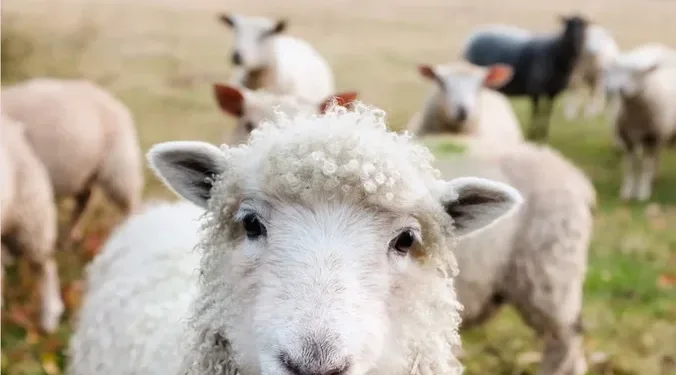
point(316, 360)
point(462, 114)
point(236, 58)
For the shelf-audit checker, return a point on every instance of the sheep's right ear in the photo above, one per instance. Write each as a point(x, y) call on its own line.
point(476, 203)
point(230, 99)
point(227, 19)
point(498, 75)
point(188, 168)
point(427, 71)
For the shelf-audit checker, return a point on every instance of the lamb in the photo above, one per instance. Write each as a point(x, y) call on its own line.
point(463, 103)
point(265, 58)
point(250, 108)
point(600, 48)
point(29, 216)
point(326, 248)
point(84, 136)
point(643, 81)
point(542, 64)
point(535, 261)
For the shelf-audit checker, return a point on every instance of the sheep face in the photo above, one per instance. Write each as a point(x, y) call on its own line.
point(251, 108)
point(460, 85)
point(253, 35)
point(327, 248)
point(625, 76)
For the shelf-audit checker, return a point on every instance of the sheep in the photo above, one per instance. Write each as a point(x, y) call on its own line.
point(266, 58)
point(84, 136)
point(252, 107)
point(643, 83)
point(326, 248)
point(599, 49)
point(542, 64)
point(463, 103)
point(535, 261)
point(28, 220)
point(154, 278)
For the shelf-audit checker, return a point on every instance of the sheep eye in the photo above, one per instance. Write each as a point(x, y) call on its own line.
point(404, 241)
point(253, 226)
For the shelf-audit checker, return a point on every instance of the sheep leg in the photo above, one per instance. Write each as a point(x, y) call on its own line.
point(533, 131)
point(52, 305)
point(648, 167)
point(631, 166)
point(598, 97)
point(81, 203)
point(573, 104)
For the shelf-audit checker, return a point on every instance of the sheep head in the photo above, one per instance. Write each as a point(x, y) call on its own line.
point(327, 246)
point(252, 50)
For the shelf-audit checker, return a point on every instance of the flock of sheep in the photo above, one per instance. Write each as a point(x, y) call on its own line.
point(316, 241)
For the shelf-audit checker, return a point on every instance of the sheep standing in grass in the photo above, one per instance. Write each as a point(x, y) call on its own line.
point(643, 82)
point(250, 108)
point(599, 50)
point(84, 136)
point(327, 248)
point(463, 103)
point(29, 216)
point(535, 261)
point(265, 58)
point(542, 64)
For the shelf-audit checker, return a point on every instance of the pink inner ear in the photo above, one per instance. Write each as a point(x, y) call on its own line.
point(343, 99)
point(426, 71)
point(229, 99)
point(498, 75)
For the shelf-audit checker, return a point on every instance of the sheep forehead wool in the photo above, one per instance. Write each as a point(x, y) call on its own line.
point(269, 105)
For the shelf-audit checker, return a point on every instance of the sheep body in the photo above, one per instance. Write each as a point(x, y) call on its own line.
point(328, 256)
point(29, 215)
point(537, 259)
point(84, 137)
point(643, 83)
point(542, 64)
point(145, 276)
point(467, 106)
point(600, 49)
point(265, 58)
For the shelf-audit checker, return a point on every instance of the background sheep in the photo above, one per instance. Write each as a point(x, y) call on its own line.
point(285, 216)
point(29, 216)
point(138, 290)
point(266, 58)
point(536, 260)
point(84, 136)
point(462, 102)
point(599, 49)
point(250, 108)
point(644, 82)
point(542, 64)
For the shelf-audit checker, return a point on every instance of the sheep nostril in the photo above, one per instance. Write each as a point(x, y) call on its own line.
point(237, 58)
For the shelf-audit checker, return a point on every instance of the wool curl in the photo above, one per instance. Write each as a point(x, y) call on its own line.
point(342, 155)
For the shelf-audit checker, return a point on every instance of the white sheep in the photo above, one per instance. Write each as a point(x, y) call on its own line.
point(250, 108)
point(29, 226)
point(326, 249)
point(84, 136)
point(264, 57)
point(537, 260)
point(463, 103)
point(600, 49)
point(643, 82)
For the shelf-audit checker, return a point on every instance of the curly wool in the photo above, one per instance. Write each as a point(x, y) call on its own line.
point(352, 156)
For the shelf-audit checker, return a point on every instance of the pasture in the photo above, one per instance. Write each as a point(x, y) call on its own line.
point(160, 57)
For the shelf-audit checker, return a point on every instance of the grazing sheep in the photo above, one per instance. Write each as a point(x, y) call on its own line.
point(252, 107)
point(643, 83)
point(535, 261)
point(29, 216)
point(599, 49)
point(265, 58)
point(84, 136)
point(542, 64)
point(326, 249)
point(463, 103)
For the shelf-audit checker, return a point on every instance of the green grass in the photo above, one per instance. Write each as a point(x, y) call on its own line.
point(161, 64)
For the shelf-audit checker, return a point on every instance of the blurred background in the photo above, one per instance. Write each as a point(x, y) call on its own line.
point(160, 57)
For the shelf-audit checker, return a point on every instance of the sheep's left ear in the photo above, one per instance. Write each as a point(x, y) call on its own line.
point(342, 99)
point(188, 168)
point(498, 75)
point(476, 203)
point(280, 27)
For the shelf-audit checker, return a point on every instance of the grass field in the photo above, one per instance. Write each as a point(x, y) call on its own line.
point(160, 57)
